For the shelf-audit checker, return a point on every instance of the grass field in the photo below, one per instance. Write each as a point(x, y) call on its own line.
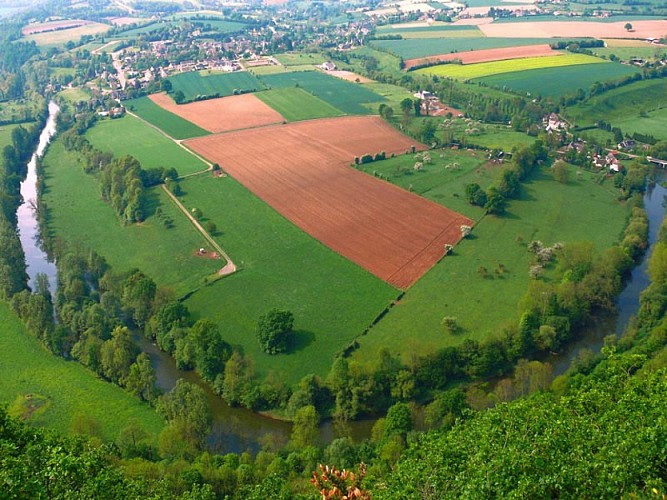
point(332, 299)
point(131, 136)
point(173, 125)
point(479, 70)
point(345, 96)
point(638, 107)
point(297, 104)
point(443, 180)
point(6, 134)
point(75, 95)
point(300, 59)
point(77, 213)
point(68, 387)
point(627, 53)
point(548, 211)
point(194, 84)
point(219, 25)
point(414, 48)
point(443, 30)
point(142, 30)
point(559, 81)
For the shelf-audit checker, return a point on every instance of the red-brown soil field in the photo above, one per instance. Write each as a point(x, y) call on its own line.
point(302, 170)
point(222, 114)
point(547, 29)
point(487, 55)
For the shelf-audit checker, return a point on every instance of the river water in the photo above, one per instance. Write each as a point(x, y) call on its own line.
point(237, 429)
point(35, 257)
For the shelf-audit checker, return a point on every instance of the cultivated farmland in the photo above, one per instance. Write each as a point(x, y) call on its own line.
point(479, 56)
point(412, 49)
point(194, 84)
point(640, 29)
point(345, 96)
point(62, 36)
point(223, 114)
point(559, 81)
point(301, 171)
point(131, 136)
point(470, 71)
point(167, 121)
point(296, 104)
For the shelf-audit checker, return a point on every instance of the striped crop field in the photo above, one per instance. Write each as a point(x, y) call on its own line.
point(480, 70)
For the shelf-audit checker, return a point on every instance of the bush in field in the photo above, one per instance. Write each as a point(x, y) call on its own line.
point(366, 159)
point(273, 328)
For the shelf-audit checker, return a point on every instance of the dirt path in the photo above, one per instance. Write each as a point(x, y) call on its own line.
point(230, 267)
point(108, 44)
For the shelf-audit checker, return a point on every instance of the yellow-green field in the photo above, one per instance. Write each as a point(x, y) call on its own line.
point(60, 37)
point(479, 70)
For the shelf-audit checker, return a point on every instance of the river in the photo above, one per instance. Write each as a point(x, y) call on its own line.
point(237, 429)
point(36, 259)
point(627, 303)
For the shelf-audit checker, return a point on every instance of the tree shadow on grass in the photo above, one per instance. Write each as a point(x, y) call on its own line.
point(299, 340)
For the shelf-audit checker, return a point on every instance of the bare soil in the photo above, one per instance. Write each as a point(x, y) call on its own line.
point(640, 29)
point(223, 114)
point(303, 171)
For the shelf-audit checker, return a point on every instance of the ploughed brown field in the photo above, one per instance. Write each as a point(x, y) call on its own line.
point(302, 170)
point(487, 55)
point(547, 29)
point(223, 114)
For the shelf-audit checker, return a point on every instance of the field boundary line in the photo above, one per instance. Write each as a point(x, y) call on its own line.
point(179, 142)
point(229, 267)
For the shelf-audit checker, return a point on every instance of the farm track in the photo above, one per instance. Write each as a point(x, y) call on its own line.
point(229, 267)
point(302, 170)
point(180, 144)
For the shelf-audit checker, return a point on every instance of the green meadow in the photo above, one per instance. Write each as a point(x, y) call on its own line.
point(63, 388)
point(131, 136)
point(638, 107)
point(297, 104)
point(212, 84)
point(300, 59)
point(332, 299)
point(348, 97)
point(168, 122)
point(555, 82)
point(482, 302)
point(77, 213)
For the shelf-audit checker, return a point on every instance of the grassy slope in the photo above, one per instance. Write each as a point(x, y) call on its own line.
point(297, 104)
point(77, 213)
point(622, 107)
point(173, 125)
point(413, 48)
point(346, 96)
point(27, 368)
point(548, 211)
point(193, 83)
point(332, 299)
point(559, 81)
point(468, 71)
point(129, 135)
